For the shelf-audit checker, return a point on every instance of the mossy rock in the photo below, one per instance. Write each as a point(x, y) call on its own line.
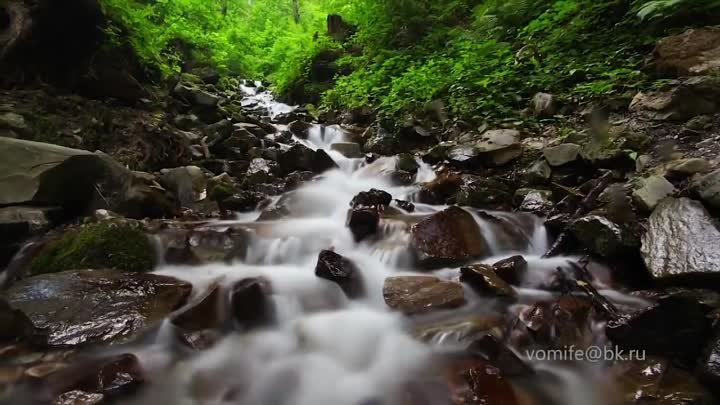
point(221, 191)
point(102, 245)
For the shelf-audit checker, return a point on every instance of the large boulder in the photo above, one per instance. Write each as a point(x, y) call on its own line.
point(419, 294)
point(694, 52)
point(438, 191)
point(300, 157)
point(684, 100)
point(682, 241)
point(340, 270)
point(188, 183)
point(96, 306)
point(447, 238)
point(603, 237)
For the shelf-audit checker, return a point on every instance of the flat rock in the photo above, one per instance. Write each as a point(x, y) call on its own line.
point(96, 306)
point(562, 154)
point(499, 146)
point(687, 167)
point(449, 237)
point(682, 240)
point(651, 191)
point(420, 294)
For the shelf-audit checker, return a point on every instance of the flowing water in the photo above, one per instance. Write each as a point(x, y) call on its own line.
point(328, 350)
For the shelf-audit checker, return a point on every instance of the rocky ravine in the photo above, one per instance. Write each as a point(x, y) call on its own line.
point(82, 218)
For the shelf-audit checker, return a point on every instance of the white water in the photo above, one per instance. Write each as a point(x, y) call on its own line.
point(326, 349)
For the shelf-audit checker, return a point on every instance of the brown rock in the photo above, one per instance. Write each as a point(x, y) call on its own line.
point(445, 186)
point(363, 222)
point(694, 52)
point(340, 270)
point(511, 270)
point(250, 303)
point(482, 279)
point(419, 294)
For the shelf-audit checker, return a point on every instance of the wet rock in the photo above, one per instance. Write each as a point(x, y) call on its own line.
point(682, 240)
point(538, 173)
point(188, 183)
point(675, 326)
point(603, 237)
point(372, 198)
point(20, 223)
point(205, 245)
point(485, 193)
point(250, 303)
point(300, 157)
point(96, 306)
point(237, 145)
point(348, 149)
point(511, 270)
point(694, 52)
point(438, 191)
point(686, 99)
point(107, 244)
point(16, 326)
point(709, 364)
point(477, 382)
point(482, 279)
point(405, 205)
point(242, 201)
point(447, 238)
point(380, 141)
point(194, 95)
point(494, 148)
point(651, 190)
point(544, 105)
point(205, 312)
point(420, 294)
point(259, 171)
point(438, 153)
point(707, 187)
point(187, 122)
point(340, 270)
point(296, 179)
point(654, 380)
point(406, 162)
point(14, 122)
point(498, 354)
point(363, 222)
point(537, 201)
point(562, 154)
point(78, 397)
point(560, 323)
point(301, 129)
point(687, 167)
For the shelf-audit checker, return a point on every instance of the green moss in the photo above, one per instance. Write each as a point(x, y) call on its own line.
point(104, 245)
point(221, 191)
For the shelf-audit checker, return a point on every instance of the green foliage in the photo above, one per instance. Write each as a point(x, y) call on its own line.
point(103, 245)
point(660, 9)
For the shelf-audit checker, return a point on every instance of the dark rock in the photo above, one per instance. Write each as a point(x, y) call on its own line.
point(420, 294)
point(708, 369)
point(482, 279)
point(406, 162)
point(560, 323)
point(187, 122)
point(380, 141)
point(511, 270)
point(655, 380)
point(682, 241)
point(402, 178)
point(538, 173)
point(301, 129)
point(499, 355)
point(688, 98)
point(340, 270)
point(537, 201)
point(348, 149)
point(205, 245)
point(250, 303)
point(259, 171)
point(14, 122)
point(476, 381)
point(363, 222)
point(188, 183)
point(694, 52)
point(707, 187)
point(20, 223)
point(300, 157)
point(372, 198)
point(322, 162)
point(675, 326)
point(242, 201)
point(485, 193)
point(438, 191)
point(205, 312)
point(194, 95)
point(438, 153)
point(447, 238)
point(234, 146)
point(562, 154)
point(16, 326)
point(405, 205)
point(603, 237)
point(296, 179)
point(96, 306)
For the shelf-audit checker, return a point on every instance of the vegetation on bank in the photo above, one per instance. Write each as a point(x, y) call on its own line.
point(483, 58)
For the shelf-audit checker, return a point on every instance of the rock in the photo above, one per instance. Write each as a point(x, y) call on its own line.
point(709, 364)
point(687, 99)
point(301, 129)
point(482, 279)
point(438, 153)
point(363, 222)
point(511, 270)
point(96, 306)
point(300, 157)
point(538, 201)
point(707, 187)
point(651, 191)
point(406, 162)
point(250, 303)
point(477, 381)
point(258, 172)
point(603, 237)
point(494, 148)
point(107, 244)
point(562, 154)
point(694, 52)
point(496, 352)
point(655, 380)
point(419, 294)
point(405, 205)
point(447, 238)
point(675, 326)
point(438, 191)
point(544, 105)
point(538, 173)
point(682, 240)
point(13, 122)
point(18, 223)
point(187, 122)
point(234, 146)
point(372, 198)
point(559, 323)
point(340, 270)
point(195, 95)
point(484, 193)
point(16, 326)
point(348, 149)
point(205, 245)
point(687, 167)
point(188, 183)
point(380, 141)
point(700, 123)
point(242, 201)
point(204, 312)
point(206, 74)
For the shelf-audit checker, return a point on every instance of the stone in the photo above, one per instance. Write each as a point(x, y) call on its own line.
point(406, 162)
point(655, 380)
point(110, 244)
point(537, 173)
point(300, 157)
point(195, 95)
point(686, 99)
point(188, 183)
point(237, 145)
point(406, 206)
point(301, 129)
point(205, 245)
point(537, 201)
point(675, 326)
point(350, 150)
point(258, 172)
point(449, 237)
point(187, 122)
point(363, 222)
point(651, 190)
point(420, 294)
point(438, 191)
point(340, 270)
point(251, 305)
point(242, 201)
point(682, 240)
point(707, 187)
point(477, 381)
point(484, 193)
point(204, 312)
point(96, 306)
point(16, 326)
point(603, 237)
point(322, 162)
point(17, 223)
point(694, 52)
point(380, 141)
point(687, 167)
point(13, 122)
point(562, 154)
point(544, 105)
point(482, 279)
point(372, 198)
point(511, 270)
point(494, 148)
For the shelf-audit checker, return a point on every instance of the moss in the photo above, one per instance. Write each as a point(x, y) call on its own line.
point(103, 245)
point(221, 191)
